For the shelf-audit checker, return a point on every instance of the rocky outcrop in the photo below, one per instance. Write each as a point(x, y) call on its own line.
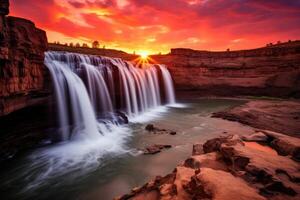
point(155, 130)
point(22, 72)
point(279, 116)
point(269, 71)
point(23, 107)
point(230, 169)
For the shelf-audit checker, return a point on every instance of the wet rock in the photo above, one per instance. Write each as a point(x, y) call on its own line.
point(150, 127)
point(173, 133)
point(123, 119)
point(156, 148)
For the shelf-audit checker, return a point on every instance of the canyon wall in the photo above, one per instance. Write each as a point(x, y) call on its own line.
point(22, 72)
point(268, 71)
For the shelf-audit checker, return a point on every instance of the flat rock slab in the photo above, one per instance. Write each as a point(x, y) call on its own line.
point(224, 186)
point(278, 116)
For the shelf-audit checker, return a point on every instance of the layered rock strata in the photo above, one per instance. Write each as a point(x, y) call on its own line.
point(268, 71)
point(230, 168)
point(22, 72)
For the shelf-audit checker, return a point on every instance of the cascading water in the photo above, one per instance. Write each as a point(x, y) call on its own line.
point(90, 87)
point(90, 91)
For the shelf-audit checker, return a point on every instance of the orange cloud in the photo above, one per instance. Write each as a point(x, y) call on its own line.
point(157, 26)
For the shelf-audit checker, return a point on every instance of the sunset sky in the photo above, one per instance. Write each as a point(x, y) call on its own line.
point(158, 25)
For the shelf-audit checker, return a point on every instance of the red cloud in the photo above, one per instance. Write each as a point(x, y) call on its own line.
point(159, 25)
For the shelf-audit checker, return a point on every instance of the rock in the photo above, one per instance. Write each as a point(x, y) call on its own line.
point(296, 154)
point(150, 127)
point(277, 116)
point(267, 71)
point(224, 186)
point(283, 144)
point(156, 148)
point(197, 149)
point(209, 160)
point(215, 144)
point(256, 137)
point(24, 84)
point(4, 7)
point(233, 170)
point(123, 119)
point(173, 133)
point(23, 76)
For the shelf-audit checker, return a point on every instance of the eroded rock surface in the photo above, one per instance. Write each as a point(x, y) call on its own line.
point(23, 106)
point(267, 71)
point(278, 116)
point(229, 169)
point(22, 72)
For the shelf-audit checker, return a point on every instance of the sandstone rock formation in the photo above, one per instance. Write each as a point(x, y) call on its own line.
point(22, 84)
point(269, 71)
point(22, 72)
point(232, 169)
point(279, 116)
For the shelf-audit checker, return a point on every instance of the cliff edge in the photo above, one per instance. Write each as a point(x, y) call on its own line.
point(22, 70)
point(267, 71)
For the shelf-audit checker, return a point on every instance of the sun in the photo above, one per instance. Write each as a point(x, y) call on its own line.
point(143, 59)
point(144, 55)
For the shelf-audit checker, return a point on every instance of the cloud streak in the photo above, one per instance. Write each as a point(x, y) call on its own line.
point(157, 26)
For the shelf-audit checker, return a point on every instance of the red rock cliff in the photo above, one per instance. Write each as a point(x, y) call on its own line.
point(272, 71)
point(22, 71)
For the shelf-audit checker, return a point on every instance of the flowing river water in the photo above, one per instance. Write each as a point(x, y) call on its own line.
point(80, 172)
point(99, 156)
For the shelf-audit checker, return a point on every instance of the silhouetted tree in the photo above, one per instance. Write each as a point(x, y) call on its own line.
point(228, 49)
point(71, 44)
point(103, 46)
point(95, 44)
point(85, 45)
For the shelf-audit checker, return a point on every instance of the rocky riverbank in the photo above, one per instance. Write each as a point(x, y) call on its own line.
point(279, 116)
point(262, 165)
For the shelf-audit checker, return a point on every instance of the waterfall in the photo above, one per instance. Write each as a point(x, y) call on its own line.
point(89, 87)
point(168, 85)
